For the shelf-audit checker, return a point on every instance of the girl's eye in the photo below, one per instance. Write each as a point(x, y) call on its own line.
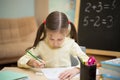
point(52, 39)
point(59, 39)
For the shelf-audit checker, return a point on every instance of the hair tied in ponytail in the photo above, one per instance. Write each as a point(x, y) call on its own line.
point(68, 22)
point(44, 21)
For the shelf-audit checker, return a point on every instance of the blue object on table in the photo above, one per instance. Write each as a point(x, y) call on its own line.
point(107, 76)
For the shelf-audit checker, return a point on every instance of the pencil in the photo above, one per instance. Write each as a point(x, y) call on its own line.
point(34, 56)
point(81, 60)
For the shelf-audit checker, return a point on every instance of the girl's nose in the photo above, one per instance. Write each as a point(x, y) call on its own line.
point(55, 44)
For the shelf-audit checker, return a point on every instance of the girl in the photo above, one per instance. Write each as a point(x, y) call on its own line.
point(55, 41)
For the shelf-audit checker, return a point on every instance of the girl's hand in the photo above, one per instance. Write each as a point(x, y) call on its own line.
point(36, 63)
point(68, 74)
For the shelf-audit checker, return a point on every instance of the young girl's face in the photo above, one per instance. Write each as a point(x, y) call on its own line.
point(56, 38)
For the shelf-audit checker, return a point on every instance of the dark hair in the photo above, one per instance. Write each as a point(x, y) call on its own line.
point(55, 21)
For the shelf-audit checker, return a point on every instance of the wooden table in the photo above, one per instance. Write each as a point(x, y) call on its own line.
point(32, 73)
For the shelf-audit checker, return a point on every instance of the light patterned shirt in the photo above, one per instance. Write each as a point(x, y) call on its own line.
point(59, 57)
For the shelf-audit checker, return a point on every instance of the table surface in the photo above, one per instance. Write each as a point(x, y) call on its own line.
point(32, 73)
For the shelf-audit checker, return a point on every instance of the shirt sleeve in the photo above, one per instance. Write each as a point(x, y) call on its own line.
point(22, 62)
point(77, 52)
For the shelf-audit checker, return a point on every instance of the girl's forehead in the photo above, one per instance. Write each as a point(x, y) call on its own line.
point(56, 34)
point(61, 31)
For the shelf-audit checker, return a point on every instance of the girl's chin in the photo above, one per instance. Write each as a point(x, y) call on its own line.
point(55, 47)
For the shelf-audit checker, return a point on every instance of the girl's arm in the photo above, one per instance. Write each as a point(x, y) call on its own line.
point(76, 52)
point(36, 63)
point(22, 62)
point(27, 60)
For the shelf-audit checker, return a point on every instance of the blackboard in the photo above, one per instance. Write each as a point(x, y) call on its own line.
point(99, 24)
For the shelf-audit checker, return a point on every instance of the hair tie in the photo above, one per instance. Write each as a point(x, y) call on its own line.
point(68, 22)
point(44, 21)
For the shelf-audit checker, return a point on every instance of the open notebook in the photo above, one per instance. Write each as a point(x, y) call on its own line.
point(12, 75)
point(53, 73)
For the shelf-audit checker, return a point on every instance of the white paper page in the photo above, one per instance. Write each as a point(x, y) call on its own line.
point(53, 73)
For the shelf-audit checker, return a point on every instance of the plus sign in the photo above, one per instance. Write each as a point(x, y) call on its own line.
point(94, 7)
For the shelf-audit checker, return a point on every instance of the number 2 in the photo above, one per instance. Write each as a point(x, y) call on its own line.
point(87, 8)
point(96, 24)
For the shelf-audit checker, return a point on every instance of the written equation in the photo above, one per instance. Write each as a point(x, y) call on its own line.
point(99, 13)
point(100, 6)
point(99, 24)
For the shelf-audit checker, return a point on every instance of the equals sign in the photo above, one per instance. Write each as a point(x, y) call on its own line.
point(106, 6)
point(91, 20)
point(104, 21)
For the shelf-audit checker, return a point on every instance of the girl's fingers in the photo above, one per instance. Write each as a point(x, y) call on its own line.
point(68, 74)
point(38, 64)
point(64, 75)
point(42, 65)
point(42, 61)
